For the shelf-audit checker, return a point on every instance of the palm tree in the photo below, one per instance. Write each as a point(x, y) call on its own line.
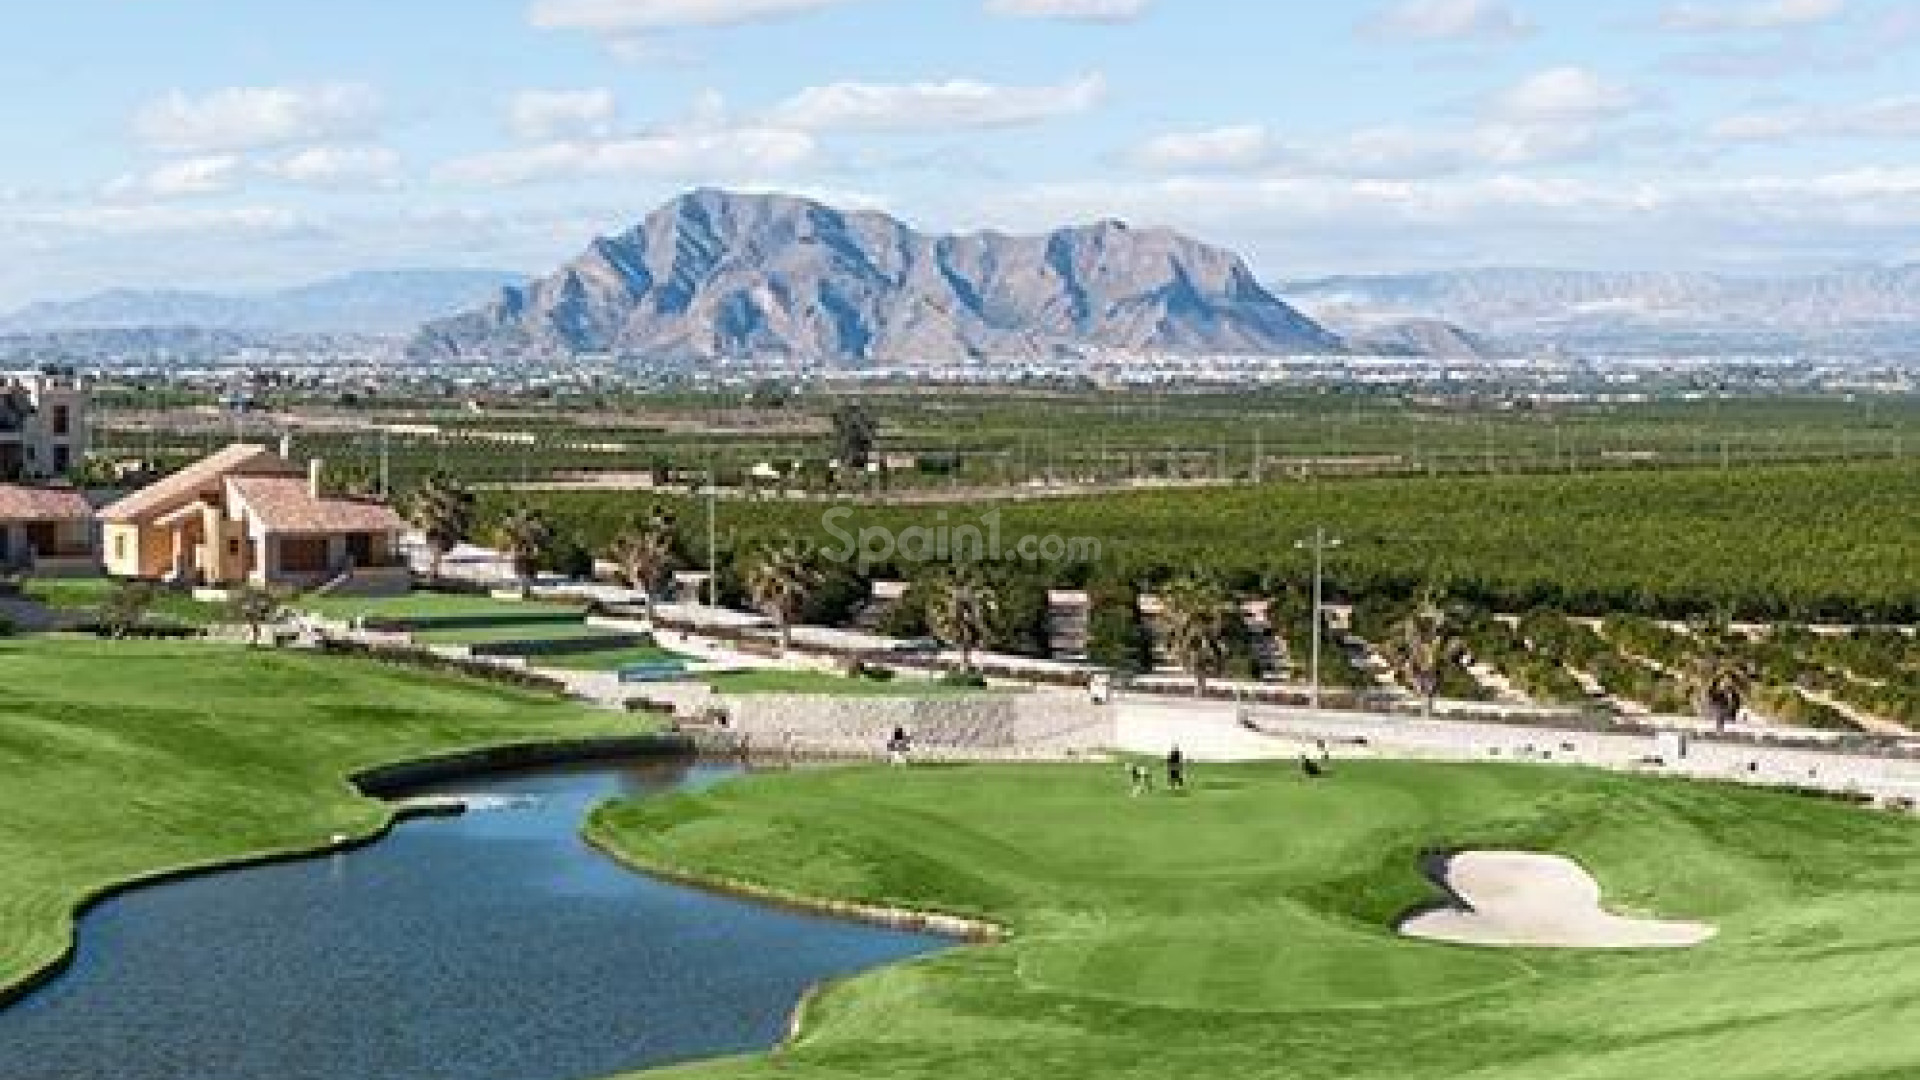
point(780, 581)
point(1423, 645)
point(961, 611)
point(1197, 624)
point(646, 552)
point(254, 608)
point(525, 538)
point(442, 509)
point(1719, 677)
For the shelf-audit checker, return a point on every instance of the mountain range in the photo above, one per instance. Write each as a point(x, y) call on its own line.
point(1587, 310)
point(715, 276)
point(374, 303)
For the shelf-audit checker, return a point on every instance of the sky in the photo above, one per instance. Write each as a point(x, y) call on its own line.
point(213, 144)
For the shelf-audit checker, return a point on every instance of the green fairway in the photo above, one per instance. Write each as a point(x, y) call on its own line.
point(1244, 930)
point(425, 605)
point(491, 635)
point(119, 760)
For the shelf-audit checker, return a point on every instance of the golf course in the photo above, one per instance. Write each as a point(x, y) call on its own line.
point(122, 760)
point(1246, 928)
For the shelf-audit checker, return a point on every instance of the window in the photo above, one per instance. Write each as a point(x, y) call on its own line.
point(120, 548)
point(62, 460)
point(62, 421)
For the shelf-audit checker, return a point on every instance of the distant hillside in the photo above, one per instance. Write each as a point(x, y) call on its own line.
point(1587, 308)
point(716, 276)
point(1415, 337)
point(371, 303)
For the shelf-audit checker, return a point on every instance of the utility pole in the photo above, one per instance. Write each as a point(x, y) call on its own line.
point(1319, 545)
point(713, 536)
point(386, 464)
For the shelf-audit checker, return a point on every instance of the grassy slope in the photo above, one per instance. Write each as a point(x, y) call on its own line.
point(120, 760)
point(86, 595)
point(425, 605)
point(1242, 931)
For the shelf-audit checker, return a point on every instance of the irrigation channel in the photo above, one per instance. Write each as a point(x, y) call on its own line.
point(492, 946)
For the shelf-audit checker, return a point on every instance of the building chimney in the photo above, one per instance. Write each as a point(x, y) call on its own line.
point(316, 472)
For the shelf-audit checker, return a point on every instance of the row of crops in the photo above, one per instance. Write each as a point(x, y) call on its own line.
point(1801, 544)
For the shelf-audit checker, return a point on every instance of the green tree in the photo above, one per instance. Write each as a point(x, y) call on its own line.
point(255, 608)
point(962, 612)
point(525, 537)
point(1116, 637)
point(647, 552)
point(779, 581)
point(443, 510)
point(1720, 677)
point(126, 608)
point(1422, 645)
point(1197, 622)
point(855, 433)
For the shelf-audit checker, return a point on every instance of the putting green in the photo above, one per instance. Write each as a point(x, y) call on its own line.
point(1246, 930)
point(120, 760)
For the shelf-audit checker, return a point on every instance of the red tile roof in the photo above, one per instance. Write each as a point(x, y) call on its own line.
point(189, 483)
point(19, 503)
point(286, 506)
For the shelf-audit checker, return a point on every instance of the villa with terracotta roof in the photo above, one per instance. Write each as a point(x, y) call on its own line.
point(45, 530)
point(248, 515)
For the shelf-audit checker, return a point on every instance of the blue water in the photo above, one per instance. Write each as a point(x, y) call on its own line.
point(495, 946)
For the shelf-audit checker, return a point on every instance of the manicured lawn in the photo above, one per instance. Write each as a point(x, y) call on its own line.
point(1243, 930)
point(122, 759)
point(424, 605)
point(607, 660)
point(829, 685)
point(485, 635)
point(85, 595)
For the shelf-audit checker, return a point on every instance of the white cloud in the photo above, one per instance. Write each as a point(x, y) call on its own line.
point(933, 107)
point(1225, 149)
point(163, 218)
point(337, 166)
point(1884, 118)
point(1447, 20)
point(252, 118)
point(634, 16)
point(689, 155)
point(1107, 11)
point(541, 115)
point(1369, 153)
point(208, 175)
point(1302, 226)
point(1563, 94)
point(1718, 18)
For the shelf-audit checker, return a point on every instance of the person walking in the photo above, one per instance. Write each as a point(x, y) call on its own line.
point(1142, 779)
point(899, 747)
point(1176, 770)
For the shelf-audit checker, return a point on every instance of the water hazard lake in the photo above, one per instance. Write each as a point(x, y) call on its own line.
point(494, 946)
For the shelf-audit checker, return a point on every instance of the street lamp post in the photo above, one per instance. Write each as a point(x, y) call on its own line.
point(1319, 545)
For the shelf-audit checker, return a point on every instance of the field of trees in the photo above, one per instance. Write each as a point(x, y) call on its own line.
point(1835, 542)
point(1006, 438)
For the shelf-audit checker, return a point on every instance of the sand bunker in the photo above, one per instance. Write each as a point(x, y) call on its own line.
point(1521, 900)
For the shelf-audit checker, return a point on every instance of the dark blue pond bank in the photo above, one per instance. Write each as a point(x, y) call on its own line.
point(495, 946)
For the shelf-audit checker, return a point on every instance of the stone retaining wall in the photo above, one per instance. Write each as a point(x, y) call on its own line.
point(999, 725)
